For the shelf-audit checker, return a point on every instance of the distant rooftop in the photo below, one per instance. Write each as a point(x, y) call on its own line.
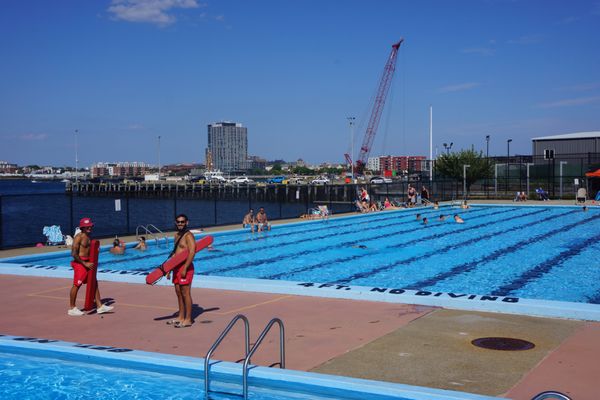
point(579, 135)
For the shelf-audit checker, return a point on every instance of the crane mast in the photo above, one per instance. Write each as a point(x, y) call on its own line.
point(382, 91)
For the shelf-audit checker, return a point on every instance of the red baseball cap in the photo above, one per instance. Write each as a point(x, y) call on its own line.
point(85, 222)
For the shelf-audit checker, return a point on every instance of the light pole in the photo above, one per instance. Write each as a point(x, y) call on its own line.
point(448, 147)
point(561, 176)
point(351, 122)
point(159, 157)
point(496, 179)
point(487, 159)
point(465, 166)
point(528, 165)
point(507, 162)
point(76, 156)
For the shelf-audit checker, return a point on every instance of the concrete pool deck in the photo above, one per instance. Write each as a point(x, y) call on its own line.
point(400, 343)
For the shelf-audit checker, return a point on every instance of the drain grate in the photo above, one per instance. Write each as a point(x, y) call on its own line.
point(502, 343)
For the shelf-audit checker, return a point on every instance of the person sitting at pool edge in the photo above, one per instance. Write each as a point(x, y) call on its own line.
point(262, 221)
point(249, 221)
point(141, 244)
point(458, 219)
point(81, 266)
point(118, 247)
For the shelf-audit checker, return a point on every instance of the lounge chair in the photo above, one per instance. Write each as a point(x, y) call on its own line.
point(53, 235)
point(324, 211)
point(581, 195)
point(542, 195)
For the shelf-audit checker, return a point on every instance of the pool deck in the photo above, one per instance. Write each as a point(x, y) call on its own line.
point(403, 343)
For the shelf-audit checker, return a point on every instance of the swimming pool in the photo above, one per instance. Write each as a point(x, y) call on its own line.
point(32, 368)
point(531, 252)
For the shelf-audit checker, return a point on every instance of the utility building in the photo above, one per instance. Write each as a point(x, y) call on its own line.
point(228, 146)
point(557, 146)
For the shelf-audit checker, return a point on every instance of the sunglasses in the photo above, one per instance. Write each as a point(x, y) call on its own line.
point(180, 222)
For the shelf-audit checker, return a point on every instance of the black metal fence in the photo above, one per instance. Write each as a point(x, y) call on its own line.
point(23, 217)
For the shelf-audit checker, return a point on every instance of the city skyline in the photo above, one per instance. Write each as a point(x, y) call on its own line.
point(124, 72)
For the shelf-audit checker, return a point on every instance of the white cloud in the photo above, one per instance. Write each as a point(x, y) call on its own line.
point(34, 136)
point(527, 39)
point(157, 12)
point(459, 87)
point(570, 102)
point(581, 87)
point(135, 127)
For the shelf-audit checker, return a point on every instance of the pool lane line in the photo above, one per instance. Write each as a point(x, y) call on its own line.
point(471, 265)
point(313, 250)
point(380, 217)
point(545, 266)
point(400, 245)
point(350, 231)
point(454, 246)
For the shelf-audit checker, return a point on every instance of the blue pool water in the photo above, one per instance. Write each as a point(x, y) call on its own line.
point(533, 252)
point(37, 378)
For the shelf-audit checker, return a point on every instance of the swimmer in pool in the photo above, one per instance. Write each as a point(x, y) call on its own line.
point(418, 217)
point(442, 217)
point(359, 246)
point(458, 219)
point(425, 221)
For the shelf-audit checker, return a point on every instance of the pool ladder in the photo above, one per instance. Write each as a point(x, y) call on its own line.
point(153, 232)
point(248, 352)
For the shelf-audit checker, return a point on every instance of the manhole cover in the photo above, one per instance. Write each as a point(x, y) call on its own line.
point(502, 343)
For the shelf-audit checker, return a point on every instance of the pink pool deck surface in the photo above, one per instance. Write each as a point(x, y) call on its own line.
point(400, 343)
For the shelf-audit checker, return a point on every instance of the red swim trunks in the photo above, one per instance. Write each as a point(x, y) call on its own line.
point(187, 280)
point(79, 272)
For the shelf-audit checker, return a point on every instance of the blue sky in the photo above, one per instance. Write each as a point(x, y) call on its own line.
point(123, 72)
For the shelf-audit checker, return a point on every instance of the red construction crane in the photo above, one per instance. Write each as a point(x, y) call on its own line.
point(382, 91)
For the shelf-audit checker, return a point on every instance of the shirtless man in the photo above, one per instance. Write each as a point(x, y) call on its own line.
point(183, 275)
point(249, 221)
point(261, 219)
point(81, 266)
point(118, 247)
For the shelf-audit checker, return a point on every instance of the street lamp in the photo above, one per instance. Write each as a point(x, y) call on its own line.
point(561, 178)
point(465, 166)
point(448, 147)
point(76, 156)
point(487, 159)
point(351, 122)
point(507, 162)
point(159, 157)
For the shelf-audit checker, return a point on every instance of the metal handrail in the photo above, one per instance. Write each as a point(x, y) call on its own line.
point(146, 229)
point(160, 232)
point(551, 394)
point(218, 342)
point(257, 344)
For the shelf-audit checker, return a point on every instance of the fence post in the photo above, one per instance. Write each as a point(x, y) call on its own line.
point(127, 209)
point(71, 223)
point(1, 226)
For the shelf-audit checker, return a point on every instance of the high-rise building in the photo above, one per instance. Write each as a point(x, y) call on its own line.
point(228, 146)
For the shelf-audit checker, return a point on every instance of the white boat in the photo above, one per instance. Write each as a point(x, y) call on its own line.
point(34, 181)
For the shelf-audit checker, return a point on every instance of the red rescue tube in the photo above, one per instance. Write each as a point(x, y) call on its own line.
point(92, 284)
point(175, 261)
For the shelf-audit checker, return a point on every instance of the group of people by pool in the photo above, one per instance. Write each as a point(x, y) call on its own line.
point(119, 247)
point(258, 222)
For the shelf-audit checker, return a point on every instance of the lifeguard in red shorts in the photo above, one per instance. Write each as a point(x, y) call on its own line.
point(183, 275)
point(81, 265)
